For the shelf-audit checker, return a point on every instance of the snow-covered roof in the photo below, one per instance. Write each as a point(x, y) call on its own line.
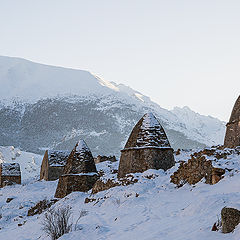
point(82, 151)
point(148, 133)
point(57, 158)
point(80, 160)
point(82, 147)
point(10, 169)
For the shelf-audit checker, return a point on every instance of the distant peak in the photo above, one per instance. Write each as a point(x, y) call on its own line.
point(185, 108)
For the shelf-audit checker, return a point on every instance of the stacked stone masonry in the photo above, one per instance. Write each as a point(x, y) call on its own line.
point(146, 148)
point(195, 170)
point(80, 173)
point(53, 164)
point(232, 138)
point(9, 174)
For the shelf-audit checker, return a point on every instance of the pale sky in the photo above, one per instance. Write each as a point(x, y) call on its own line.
point(178, 52)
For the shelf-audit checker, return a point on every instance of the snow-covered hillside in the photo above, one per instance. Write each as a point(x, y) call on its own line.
point(151, 209)
point(28, 81)
point(206, 129)
point(29, 162)
point(51, 107)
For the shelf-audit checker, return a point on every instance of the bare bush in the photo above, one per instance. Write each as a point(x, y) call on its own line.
point(57, 222)
point(83, 213)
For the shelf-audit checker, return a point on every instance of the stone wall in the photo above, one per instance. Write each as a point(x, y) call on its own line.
point(141, 159)
point(50, 173)
point(44, 167)
point(71, 183)
point(100, 158)
point(55, 172)
point(195, 170)
point(9, 180)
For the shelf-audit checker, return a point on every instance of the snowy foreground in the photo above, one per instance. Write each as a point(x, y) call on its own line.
point(152, 208)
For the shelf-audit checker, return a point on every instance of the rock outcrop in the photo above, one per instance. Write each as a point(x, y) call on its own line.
point(100, 158)
point(230, 219)
point(80, 173)
point(195, 170)
point(232, 137)
point(147, 148)
point(105, 184)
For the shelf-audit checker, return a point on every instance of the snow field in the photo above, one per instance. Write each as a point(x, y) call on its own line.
point(148, 210)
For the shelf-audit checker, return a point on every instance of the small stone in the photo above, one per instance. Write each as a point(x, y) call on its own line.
point(9, 200)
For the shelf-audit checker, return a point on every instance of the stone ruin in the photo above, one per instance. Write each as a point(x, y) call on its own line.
point(232, 137)
point(9, 174)
point(53, 164)
point(100, 158)
point(193, 171)
point(147, 148)
point(80, 173)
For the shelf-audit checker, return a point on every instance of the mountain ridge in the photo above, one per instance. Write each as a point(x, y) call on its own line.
point(30, 90)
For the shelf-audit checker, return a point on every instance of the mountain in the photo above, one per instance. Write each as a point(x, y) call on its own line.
point(45, 107)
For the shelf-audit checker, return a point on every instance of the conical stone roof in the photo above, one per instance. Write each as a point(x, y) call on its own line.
point(80, 173)
point(232, 138)
point(235, 116)
point(148, 133)
point(80, 160)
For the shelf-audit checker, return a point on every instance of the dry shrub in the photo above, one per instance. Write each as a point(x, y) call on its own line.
point(57, 222)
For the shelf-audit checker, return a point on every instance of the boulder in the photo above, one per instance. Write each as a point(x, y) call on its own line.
point(230, 219)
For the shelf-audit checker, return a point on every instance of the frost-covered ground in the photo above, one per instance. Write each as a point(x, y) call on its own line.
point(148, 210)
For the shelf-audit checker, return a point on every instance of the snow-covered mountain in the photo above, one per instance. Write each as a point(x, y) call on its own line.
point(52, 107)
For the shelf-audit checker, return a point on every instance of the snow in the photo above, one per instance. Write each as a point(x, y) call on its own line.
point(83, 174)
point(205, 129)
point(149, 121)
point(82, 147)
point(148, 210)
point(97, 134)
point(57, 158)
